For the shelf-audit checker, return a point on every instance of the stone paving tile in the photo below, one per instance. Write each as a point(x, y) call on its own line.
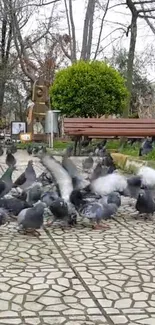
point(81, 276)
point(37, 285)
point(117, 266)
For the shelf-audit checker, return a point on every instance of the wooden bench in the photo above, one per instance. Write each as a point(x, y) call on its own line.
point(108, 128)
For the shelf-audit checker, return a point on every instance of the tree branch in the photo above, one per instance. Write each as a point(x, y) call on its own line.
point(73, 40)
point(101, 29)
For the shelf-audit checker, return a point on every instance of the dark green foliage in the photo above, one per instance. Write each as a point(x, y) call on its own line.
point(89, 89)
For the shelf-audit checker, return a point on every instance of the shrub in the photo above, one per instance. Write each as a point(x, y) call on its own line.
point(88, 89)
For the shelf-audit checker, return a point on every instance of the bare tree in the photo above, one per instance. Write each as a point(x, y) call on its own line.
point(136, 13)
point(91, 8)
point(6, 40)
point(16, 49)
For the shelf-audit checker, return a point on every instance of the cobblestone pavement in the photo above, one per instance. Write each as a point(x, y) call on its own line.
point(79, 276)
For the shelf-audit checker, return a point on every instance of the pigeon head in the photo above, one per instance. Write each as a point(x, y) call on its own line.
point(143, 195)
point(40, 206)
point(30, 163)
point(59, 208)
point(3, 216)
point(115, 198)
point(76, 198)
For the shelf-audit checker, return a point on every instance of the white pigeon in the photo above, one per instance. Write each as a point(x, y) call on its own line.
point(147, 175)
point(62, 177)
point(109, 183)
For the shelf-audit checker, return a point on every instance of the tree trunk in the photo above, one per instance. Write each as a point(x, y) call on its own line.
point(130, 62)
point(86, 28)
point(90, 31)
point(73, 41)
point(2, 92)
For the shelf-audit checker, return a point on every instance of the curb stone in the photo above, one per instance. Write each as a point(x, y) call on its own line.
point(130, 164)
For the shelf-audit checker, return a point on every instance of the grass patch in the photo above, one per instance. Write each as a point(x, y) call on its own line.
point(112, 145)
point(60, 145)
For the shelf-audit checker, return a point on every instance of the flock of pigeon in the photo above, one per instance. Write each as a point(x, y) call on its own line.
point(64, 191)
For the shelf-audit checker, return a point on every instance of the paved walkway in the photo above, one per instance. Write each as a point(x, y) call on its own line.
point(79, 277)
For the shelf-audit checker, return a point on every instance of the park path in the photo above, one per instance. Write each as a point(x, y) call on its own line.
point(79, 276)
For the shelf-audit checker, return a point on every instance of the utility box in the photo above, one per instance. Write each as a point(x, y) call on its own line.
point(51, 121)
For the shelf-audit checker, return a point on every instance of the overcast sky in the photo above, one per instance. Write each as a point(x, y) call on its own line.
point(115, 17)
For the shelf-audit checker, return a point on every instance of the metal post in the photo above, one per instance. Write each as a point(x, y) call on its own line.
point(52, 130)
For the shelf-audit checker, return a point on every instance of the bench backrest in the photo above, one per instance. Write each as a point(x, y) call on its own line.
point(109, 127)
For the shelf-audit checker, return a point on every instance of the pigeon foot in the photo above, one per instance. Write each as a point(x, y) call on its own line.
point(103, 226)
point(33, 232)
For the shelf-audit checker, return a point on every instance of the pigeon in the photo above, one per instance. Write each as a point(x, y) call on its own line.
point(96, 212)
point(145, 203)
point(22, 178)
point(29, 149)
point(133, 187)
point(35, 150)
point(88, 163)
point(100, 149)
point(1, 151)
point(77, 180)
point(146, 147)
point(69, 151)
point(99, 171)
point(59, 209)
point(7, 179)
point(65, 188)
point(108, 161)
point(147, 175)
point(13, 148)
point(85, 143)
point(101, 152)
point(31, 219)
point(30, 176)
point(4, 217)
point(45, 178)
point(10, 159)
point(13, 205)
point(114, 198)
point(49, 197)
point(63, 179)
point(34, 193)
point(2, 186)
point(109, 183)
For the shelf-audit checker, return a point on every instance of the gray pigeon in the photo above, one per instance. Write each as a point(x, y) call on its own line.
point(88, 163)
point(145, 203)
point(77, 180)
point(69, 151)
point(34, 193)
point(99, 171)
point(30, 176)
point(7, 179)
point(31, 219)
point(96, 212)
point(49, 197)
point(1, 151)
point(4, 217)
point(13, 205)
point(146, 147)
point(10, 159)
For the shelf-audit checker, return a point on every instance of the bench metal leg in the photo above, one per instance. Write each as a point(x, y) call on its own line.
point(80, 138)
point(75, 146)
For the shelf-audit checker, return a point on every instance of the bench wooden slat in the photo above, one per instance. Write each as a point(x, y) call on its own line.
point(112, 137)
point(118, 132)
point(108, 126)
point(109, 121)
